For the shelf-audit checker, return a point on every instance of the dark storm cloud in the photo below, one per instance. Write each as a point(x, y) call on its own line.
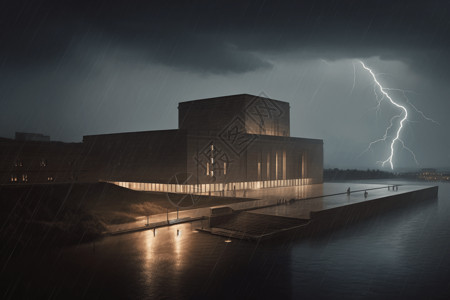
point(45, 31)
point(221, 37)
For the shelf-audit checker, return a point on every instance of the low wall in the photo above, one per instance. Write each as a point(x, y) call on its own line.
point(332, 218)
point(220, 215)
point(337, 216)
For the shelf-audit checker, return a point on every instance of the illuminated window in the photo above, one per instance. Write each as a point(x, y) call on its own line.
point(300, 171)
point(207, 169)
point(268, 166)
point(304, 169)
point(276, 165)
point(13, 178)
point(18, 163)
point(43, 162)
point(212, 160)
point(259, 170)
point(24, 177)
point(224, 168)
point(50, 178)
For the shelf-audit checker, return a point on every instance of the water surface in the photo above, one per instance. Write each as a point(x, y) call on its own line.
point(402, 254)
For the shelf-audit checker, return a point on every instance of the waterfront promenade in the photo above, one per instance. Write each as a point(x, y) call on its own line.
point(290, 202)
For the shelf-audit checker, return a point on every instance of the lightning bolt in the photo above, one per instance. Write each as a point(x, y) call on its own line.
point(412, 105)
point(403, 115)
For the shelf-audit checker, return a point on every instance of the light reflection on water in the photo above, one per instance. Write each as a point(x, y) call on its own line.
point(165, 253)
point(400, 254)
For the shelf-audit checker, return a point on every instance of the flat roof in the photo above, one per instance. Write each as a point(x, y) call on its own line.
point(230, 97)
point(135, 133)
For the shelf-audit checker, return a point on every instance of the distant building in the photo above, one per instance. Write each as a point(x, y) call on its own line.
point(25, 136)
point(431, 174)
point(30, 161)
point(223, 143)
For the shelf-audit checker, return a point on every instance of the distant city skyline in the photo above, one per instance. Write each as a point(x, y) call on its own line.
point(92, 67)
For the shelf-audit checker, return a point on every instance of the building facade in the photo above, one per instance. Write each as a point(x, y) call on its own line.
point(223, 143)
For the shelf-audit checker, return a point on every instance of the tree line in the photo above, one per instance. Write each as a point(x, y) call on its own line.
point(351, 174)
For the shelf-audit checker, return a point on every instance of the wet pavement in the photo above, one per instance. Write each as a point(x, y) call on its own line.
point(275, 201)
point(335, 197)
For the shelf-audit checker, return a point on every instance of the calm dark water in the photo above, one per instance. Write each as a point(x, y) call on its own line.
point(403, 254)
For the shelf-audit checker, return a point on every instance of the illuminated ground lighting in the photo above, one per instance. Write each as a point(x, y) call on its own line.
point(227, 241)
point(217, 187)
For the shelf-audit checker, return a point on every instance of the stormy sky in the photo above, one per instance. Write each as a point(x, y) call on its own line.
point(72, 68)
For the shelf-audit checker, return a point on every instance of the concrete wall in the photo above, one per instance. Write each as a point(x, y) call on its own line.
point(149, 156)
point(264, 158)
point(342, 215)
point(210, 116)
point(248, 113)
point(157, 156)
point(281, 158)
point(264, 116)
